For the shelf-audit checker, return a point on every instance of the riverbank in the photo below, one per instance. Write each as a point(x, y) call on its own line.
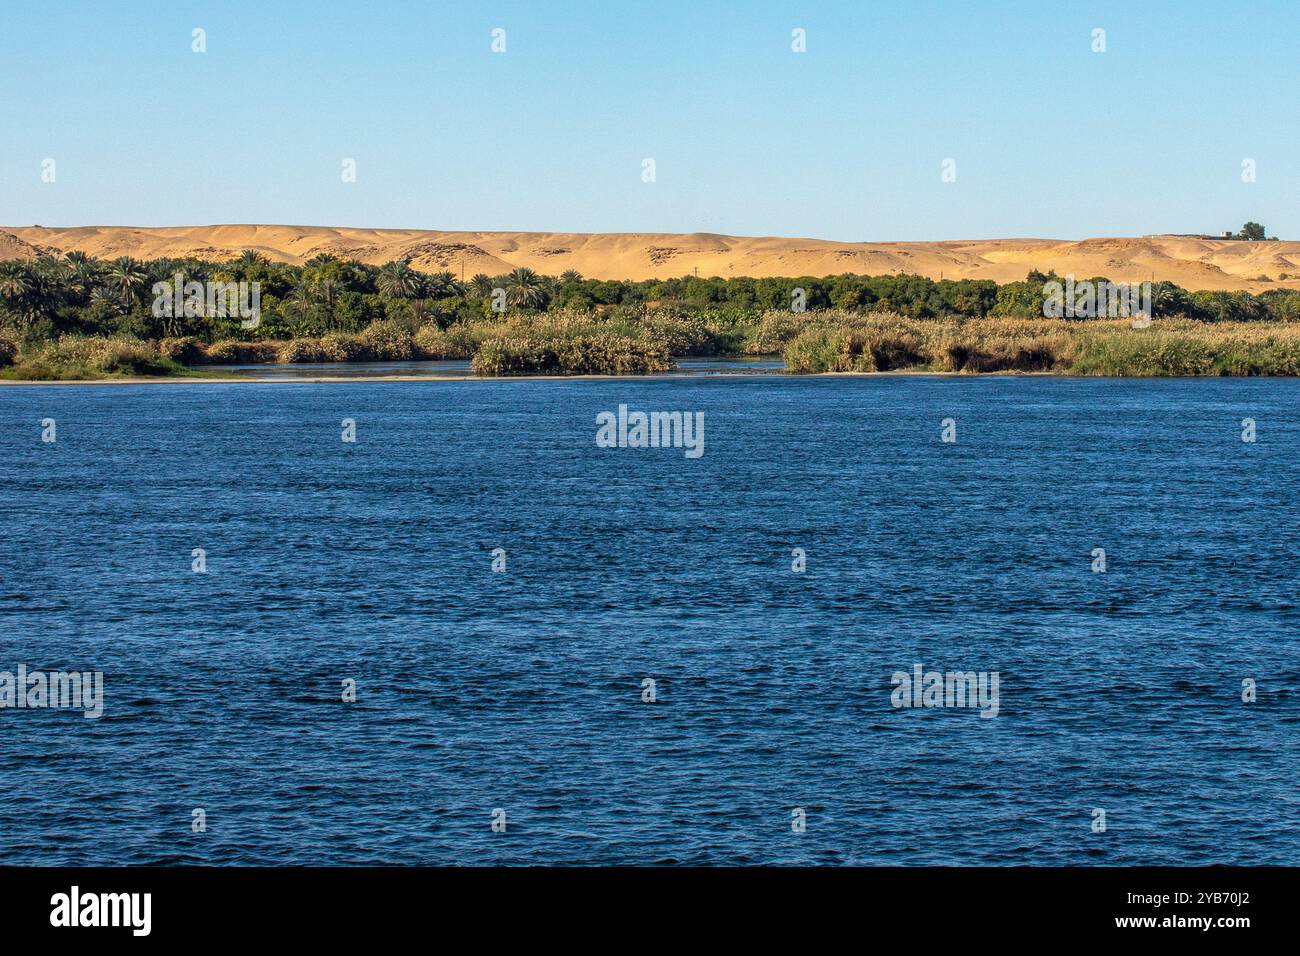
point(660, 342)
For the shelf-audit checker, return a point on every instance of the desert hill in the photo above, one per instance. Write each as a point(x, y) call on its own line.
point(1191, 262)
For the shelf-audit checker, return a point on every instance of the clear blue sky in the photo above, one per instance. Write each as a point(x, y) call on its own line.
point(844, 141)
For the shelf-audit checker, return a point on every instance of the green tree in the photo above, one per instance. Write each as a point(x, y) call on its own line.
point(526, 289)
point(125, 278)
point(397, 280)
point(248, 260)
point(18, 299)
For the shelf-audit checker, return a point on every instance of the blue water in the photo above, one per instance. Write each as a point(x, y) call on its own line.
point(522, 690)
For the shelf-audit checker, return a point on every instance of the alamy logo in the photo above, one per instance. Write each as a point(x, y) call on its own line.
point(651, 430)
point(1090, 300)
point(922, 688)
point(80, 690)
point(75, 908)
point(193, 300)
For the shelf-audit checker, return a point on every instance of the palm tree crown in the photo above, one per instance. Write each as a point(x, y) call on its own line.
point(398, 280)
point(526, 289)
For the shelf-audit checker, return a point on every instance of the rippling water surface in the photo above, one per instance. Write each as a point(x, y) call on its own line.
point(522, 690)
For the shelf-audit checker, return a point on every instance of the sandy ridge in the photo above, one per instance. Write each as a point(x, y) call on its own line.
point(1191, 262)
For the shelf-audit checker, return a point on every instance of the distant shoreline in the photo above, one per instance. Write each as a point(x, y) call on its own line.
point(78, 318)
point(444, 379)
point(1193, 262)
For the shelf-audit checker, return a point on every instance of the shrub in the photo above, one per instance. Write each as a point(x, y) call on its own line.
point(1158, 353)
point(846, 342)
point(1003, 344)
point(300, 351)
point(1183, 347)
point(229, 352)
point(601, 353)
point(185, 350)
point(387, 341)
point(829, 350)
point(454, 342)
point(76, 357)
point(774, 331)
point(680, 334)
point(337, 347)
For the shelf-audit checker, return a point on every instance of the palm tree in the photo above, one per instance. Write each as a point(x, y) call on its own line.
point(526, 289)
point(125, 278)
point(30, 290)
point(200, 270)
point(481, 284)
point(324, 273)
point(247, 262)
point(303, 295)
point(13, 280)
point(441, 285)
point(328, 290)
point(53, 285)
point(51, 268)
point(85, 274)
point(1166, 299)
point(420, 313)
point(15, 290)
point(398, 280)
point(103, 295)
point(570, 275)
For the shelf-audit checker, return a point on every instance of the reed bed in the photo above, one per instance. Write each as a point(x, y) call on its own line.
point(640, 341)
point(88, 357)
point(854, 343)
point(571, 344)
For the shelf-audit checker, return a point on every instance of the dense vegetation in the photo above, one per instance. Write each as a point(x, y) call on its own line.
point(75, 316)
point(852, 343)
point(1252, 232)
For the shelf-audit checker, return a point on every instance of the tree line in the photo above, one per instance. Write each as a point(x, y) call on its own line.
point(50, 296)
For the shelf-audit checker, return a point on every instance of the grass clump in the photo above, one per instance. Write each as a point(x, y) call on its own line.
point(775, 330)
point(840, 341)
point(459, 341)
point(571, 343)
point(75, 358)
point(230, 352)
point(387, 341)
point(847, 342)
point(1186, 347)
point(1003, 345)
point(602, 353)
point(639, 340)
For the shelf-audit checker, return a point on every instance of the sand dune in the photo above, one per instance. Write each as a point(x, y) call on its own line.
point(1190, 262)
